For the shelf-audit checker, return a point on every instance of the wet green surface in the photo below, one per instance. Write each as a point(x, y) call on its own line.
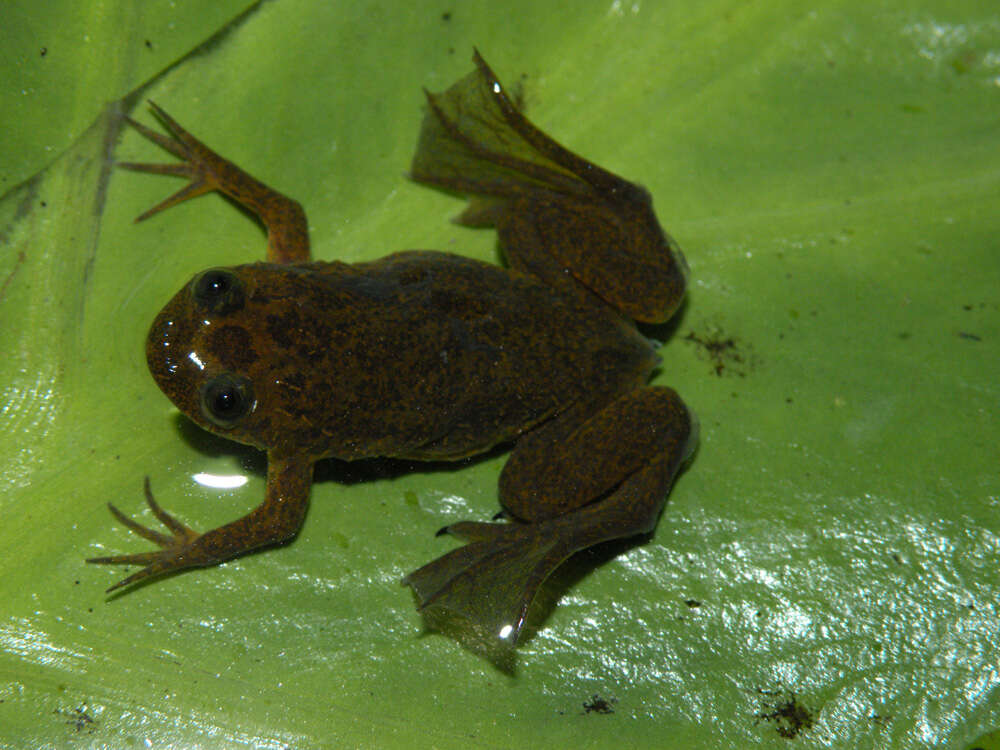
point(829, 562)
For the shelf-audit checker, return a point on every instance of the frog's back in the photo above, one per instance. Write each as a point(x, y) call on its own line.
point(432, 355)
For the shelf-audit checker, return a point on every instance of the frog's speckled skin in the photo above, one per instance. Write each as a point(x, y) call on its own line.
point(426, 355)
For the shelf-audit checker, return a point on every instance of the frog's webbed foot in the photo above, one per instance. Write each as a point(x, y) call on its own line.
point(475, 141)
point(170, 557)
point(490, 582)
point(287, 228)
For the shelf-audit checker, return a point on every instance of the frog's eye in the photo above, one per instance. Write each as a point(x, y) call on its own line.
point(217, 290)
point(226, 399)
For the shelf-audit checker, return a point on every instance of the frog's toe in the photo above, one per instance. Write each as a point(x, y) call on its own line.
point(490, 582)
point(170, 557)
point(475, 531)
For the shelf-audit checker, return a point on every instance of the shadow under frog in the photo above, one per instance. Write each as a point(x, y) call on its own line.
point(428, 356)
point(347, 473)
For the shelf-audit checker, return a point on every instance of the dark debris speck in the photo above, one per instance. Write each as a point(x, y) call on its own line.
point(598, 705)
point(790, 717)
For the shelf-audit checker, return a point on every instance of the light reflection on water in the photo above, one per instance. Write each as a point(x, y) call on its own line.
point(220, 481)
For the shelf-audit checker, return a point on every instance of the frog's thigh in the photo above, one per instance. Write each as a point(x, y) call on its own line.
point(530, 232)
point(557, 470)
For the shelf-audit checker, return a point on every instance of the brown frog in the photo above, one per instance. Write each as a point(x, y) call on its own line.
point(431, 356)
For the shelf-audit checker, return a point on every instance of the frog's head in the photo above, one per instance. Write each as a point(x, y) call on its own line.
point(225, 351)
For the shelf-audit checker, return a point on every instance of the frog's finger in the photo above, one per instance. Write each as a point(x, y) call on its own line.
point(183, 144)
point(193, 189)
point(177, 170)
point(171, 144)
point(139, 558)
point(141, 575)
point(158, 563)
point(182, 532)
point(137, 528)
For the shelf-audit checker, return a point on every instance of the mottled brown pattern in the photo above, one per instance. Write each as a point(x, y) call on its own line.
point(427, 355)
point(235, 344)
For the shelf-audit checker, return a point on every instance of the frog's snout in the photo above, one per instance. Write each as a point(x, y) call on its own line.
point(172, 361)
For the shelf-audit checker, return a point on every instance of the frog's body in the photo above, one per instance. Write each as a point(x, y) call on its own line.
point(419, 355)
point(427, 355)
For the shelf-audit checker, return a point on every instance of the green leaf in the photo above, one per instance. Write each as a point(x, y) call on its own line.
point(832, 173)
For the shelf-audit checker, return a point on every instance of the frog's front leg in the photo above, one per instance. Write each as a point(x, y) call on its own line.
point(571, 487)
point(287, 228)
point(277, 519)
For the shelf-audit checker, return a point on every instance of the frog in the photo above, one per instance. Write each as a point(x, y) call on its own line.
point(424, 355)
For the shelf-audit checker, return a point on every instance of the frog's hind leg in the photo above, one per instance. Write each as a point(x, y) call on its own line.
point(489, 583)
point(560, 217)
point(614, 250)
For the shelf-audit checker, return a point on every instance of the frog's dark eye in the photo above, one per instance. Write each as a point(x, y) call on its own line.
point(226, 399)
point(217, 290)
